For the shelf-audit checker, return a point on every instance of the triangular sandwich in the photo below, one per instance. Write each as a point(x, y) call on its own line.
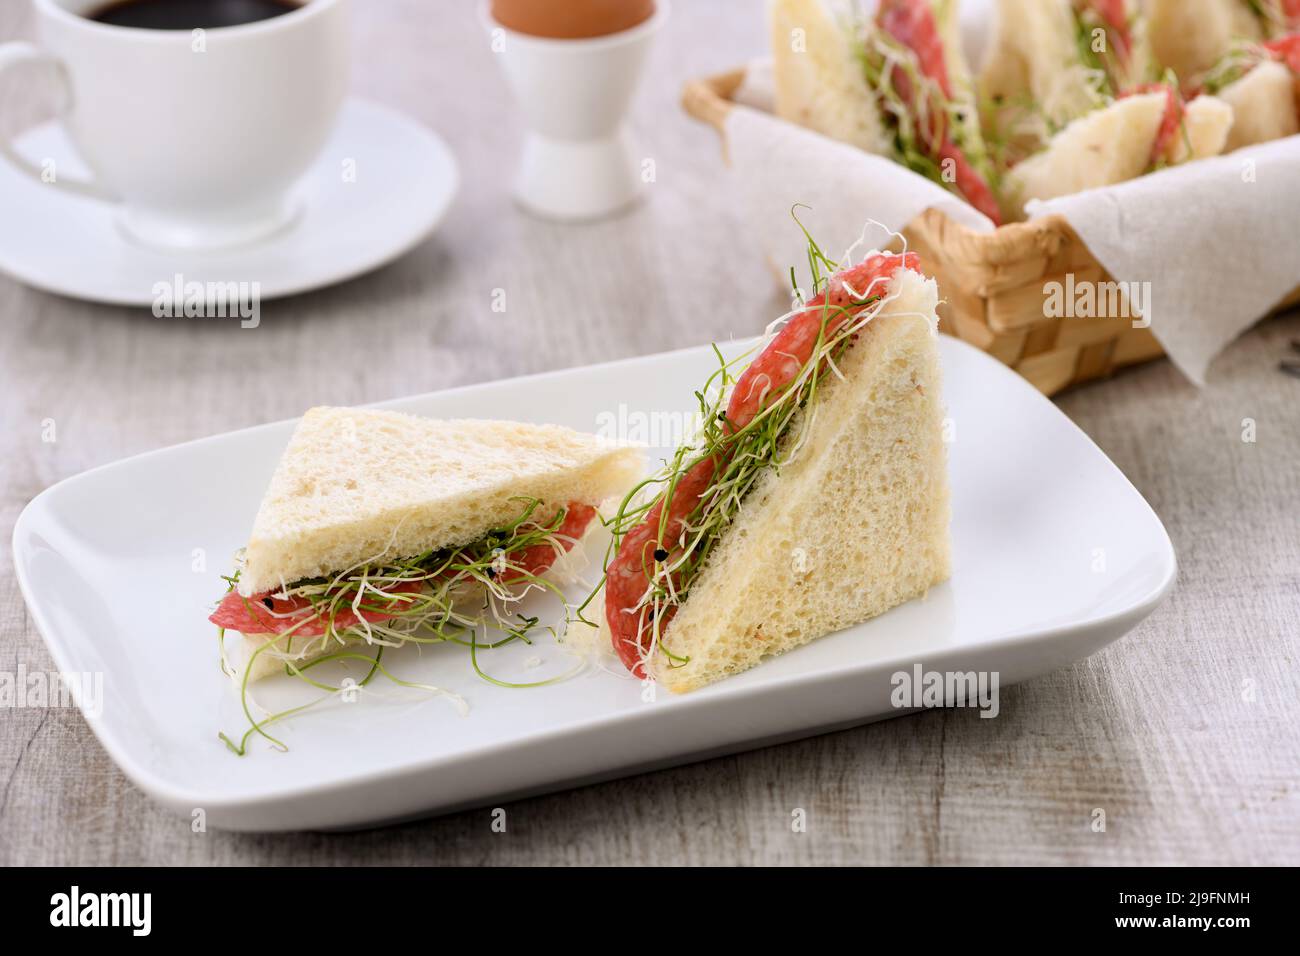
point(375, 522)
point(1051, 61)
point(1261, 82)
point(1190, 36)
point(895, 84)
point(1139, 133)
point(816, 496)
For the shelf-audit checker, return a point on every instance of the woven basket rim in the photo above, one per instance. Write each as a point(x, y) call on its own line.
point(710, 100)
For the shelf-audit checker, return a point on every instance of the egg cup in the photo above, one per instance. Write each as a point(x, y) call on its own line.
point(578, 159)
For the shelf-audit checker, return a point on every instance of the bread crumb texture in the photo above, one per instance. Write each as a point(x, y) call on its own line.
point(360, 485)
point(857, 524)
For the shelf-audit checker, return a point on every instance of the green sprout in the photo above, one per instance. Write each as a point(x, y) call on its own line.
point(770, 442)
point(882, 58)
point(438, 612)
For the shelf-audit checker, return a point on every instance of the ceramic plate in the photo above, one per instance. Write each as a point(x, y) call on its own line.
point(1055, 555)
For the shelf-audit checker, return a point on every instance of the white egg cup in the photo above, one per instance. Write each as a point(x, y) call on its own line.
point(578, 162)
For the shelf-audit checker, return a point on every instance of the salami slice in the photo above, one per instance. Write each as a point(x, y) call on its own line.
point(1114, 15)
point(771, 373)
point(912, 24)
point(538, 558)
point(264, 614)
point(1169, 122)
point(1286, 49)
point(267, 614)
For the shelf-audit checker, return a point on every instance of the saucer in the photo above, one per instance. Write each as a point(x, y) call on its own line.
point(380, 186)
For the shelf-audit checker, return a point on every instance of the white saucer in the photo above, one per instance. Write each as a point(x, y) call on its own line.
point(405, 178)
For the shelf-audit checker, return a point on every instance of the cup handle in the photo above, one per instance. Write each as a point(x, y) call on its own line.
point(19, 53)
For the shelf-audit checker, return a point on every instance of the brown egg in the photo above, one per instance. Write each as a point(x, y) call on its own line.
point(571, 19)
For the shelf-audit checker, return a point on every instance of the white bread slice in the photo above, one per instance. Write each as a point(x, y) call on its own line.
point(357, 485)
point(1108, 146)
point(1263, 104)
point(1189, 36)
point(1207, 121)
point(1113, 145)
point(855, 525)
point(239, 653)
point(1034, 80)
point(820, 83)
point(1033, 58)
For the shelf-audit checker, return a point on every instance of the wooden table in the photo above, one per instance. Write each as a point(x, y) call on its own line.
point(1185, 732)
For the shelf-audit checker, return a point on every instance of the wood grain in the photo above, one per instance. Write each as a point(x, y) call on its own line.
point(1156, 730)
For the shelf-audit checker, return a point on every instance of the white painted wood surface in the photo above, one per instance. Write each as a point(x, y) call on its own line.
point(1185, 733)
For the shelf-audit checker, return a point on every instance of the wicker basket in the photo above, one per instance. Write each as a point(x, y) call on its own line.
point(993, 283)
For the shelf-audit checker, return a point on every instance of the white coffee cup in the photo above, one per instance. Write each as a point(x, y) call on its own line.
point(200, 135)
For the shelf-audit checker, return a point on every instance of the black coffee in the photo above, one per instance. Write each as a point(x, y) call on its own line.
point(190, 14)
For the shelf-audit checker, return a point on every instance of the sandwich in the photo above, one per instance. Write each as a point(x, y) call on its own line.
point(1052, 61)
point(1146, 129)
point(1190, 36)
point(1261, 82)
point(895, 84)
point(380, 529)
point(815, 496)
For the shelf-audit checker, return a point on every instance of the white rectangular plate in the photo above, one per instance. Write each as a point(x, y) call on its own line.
point(1055, 555)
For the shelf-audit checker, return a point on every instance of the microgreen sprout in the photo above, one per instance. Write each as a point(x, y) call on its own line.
point(1105, 73)
point(919, 124)
point(426, 599)
point(1241, 58)
point(1271, 16)
point(743, 456)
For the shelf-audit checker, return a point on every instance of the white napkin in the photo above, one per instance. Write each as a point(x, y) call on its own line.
point(1218, 240)
point(777, 164)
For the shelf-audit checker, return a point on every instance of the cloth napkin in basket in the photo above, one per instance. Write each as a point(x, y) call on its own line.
point(1217, 240)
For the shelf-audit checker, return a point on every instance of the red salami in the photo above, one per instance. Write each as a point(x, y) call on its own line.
point(538, 558)
point(1287, 49)
point(912, 23)
point(791, 348)
point(1114, 15)
point(626, 578)
point(1169, 122)
point(265, 614)
point(775, 368)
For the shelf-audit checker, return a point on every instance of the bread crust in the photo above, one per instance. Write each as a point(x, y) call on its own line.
point(856, 524)
point(361, 485)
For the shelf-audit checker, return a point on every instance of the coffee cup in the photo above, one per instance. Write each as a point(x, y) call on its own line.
point(198, 135)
